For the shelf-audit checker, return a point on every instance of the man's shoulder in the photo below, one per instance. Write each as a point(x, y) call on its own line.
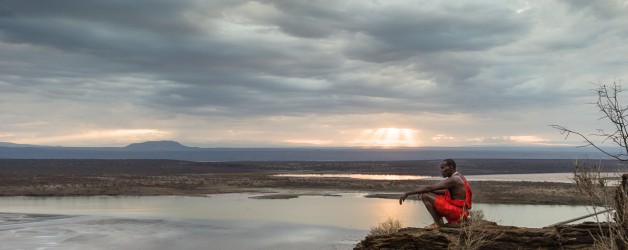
point(457, 178)
point(456, 175)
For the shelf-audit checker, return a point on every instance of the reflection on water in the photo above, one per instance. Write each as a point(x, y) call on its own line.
point(544, 177)
point(350, 210)
point(390, 177)
point(612, 178)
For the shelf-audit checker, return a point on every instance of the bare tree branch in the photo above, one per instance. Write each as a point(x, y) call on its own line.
point(608, 104)
point(567, 132)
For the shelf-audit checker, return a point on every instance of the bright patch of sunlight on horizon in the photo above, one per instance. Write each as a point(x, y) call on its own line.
point(388, 138)
point(307, 141)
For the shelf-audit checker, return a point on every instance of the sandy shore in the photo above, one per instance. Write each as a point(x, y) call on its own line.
point(27, 231)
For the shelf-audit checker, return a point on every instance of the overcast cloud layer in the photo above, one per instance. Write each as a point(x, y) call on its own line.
point(294, 73)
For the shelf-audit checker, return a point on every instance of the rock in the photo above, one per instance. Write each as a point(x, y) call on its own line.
point(403, 240)
point(488, 236)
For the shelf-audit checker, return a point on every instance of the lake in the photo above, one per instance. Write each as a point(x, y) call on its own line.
point(338, 220)
point(349, 210)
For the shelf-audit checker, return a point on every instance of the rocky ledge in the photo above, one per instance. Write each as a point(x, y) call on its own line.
point(489, 236)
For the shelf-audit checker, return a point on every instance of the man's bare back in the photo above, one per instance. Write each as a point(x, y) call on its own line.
point(457, 191)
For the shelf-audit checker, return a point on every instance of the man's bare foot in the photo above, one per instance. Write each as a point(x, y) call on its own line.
point(432, 227)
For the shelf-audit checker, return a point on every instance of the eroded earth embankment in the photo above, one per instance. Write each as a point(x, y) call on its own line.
point(489, 236)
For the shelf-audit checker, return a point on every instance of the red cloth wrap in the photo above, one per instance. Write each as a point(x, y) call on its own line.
point(454, 210)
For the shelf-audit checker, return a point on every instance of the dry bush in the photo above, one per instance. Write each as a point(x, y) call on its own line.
point(473, 233)
point(594, 185)
point(590, 180)
point(388, 226)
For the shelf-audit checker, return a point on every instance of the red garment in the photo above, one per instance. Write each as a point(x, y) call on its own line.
point(454, 210)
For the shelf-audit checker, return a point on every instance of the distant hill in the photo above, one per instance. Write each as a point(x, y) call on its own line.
point(158, 145)
point(176, 151)
point(16, 145)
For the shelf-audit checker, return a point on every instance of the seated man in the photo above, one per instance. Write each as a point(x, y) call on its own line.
point(450, 198)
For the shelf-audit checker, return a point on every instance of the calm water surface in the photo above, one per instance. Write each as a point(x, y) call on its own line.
point(392, 177)
point(350, 210)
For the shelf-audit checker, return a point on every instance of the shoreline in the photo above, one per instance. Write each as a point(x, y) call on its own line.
point(51, 178)
point(491, 192)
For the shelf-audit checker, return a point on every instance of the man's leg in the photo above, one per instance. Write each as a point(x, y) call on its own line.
point(428, 199)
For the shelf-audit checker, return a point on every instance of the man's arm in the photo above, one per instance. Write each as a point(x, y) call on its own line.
point(439, 192)
point(436, 188)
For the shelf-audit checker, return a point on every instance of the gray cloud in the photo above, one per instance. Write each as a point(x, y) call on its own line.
point(258, 59)
point(402, 33)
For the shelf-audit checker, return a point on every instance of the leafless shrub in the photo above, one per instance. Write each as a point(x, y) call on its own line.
point(610, 106)
point(593, 184)
point(388, 226)
point(474, 233)
point(590, 180)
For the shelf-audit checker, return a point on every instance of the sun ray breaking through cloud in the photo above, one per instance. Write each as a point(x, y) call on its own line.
point(388, 138)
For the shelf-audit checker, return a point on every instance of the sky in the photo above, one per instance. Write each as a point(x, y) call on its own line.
point(296, 73)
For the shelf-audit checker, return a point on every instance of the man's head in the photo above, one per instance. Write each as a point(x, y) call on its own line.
point(447, 168)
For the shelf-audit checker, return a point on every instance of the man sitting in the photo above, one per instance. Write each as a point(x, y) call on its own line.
point(450, 198)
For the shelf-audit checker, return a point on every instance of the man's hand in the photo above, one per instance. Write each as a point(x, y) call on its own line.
point(402, 198)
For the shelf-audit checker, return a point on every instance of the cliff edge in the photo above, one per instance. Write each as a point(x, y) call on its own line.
point(488, 236)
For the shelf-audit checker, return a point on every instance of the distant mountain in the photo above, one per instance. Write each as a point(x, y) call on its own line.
point(175, 151)
point(16, 145)
point(158, 145)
